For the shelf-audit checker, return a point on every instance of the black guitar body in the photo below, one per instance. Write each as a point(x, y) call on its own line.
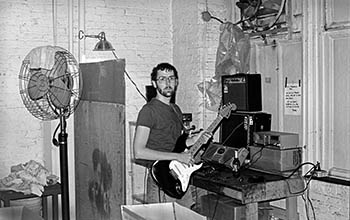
point(180, 145)
point(164, 178)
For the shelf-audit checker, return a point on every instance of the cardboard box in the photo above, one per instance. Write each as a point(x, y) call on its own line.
point(159, 211)
point(18, 213)
point(220, 207)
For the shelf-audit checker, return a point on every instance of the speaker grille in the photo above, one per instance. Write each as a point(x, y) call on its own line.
point(244, 90)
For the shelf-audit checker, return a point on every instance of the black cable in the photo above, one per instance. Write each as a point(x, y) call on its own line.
point(246, 166)
point(312, 207)
point(232, 132)
point(54, 140)
point(296, 169)
point(126, 73)
point(307, 182)
point(306, 207)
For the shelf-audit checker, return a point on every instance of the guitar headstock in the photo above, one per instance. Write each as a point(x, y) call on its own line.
point(225, 111)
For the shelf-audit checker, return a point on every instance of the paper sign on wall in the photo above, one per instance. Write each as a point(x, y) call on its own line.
point(292, 99)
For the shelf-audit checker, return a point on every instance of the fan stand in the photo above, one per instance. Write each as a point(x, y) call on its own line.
point(62, 139)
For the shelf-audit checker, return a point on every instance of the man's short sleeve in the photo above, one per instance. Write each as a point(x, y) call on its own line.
point(145, 117)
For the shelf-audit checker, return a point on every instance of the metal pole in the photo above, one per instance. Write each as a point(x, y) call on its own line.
point(62, 139)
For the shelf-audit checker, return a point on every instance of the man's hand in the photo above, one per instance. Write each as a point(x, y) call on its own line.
point(185, 157)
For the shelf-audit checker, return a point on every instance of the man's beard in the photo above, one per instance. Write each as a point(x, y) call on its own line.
point(167, 91)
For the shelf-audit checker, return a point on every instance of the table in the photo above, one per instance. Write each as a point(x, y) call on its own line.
point(49, 191)
point(252, 187)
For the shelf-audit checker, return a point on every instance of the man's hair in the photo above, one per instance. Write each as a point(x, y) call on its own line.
point(162, 67)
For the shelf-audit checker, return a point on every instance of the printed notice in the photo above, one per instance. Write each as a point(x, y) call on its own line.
point(292, 99)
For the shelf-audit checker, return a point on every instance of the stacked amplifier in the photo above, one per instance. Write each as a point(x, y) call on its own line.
point(236, 132)
point(276, 153)
point(243, 90)
point(246, 133)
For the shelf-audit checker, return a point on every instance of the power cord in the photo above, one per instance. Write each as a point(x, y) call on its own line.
point(315, 170)
point(232, 132)
point(54, 140)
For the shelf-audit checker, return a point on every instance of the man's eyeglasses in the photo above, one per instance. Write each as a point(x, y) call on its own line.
point(163, 79)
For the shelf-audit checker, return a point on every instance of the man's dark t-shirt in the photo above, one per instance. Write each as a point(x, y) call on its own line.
point(165, 122)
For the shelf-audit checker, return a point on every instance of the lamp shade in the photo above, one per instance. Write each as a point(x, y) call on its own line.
point(103, 45)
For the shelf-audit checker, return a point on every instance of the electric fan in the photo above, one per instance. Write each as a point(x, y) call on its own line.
point(50, 84)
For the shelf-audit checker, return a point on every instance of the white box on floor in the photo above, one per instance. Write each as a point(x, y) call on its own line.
point(18, 213)
point(159, 211)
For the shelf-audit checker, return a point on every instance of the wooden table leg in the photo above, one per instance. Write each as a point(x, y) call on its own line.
point(292, 208)
point(251, 211)
point(44, 205)
point(55, 207)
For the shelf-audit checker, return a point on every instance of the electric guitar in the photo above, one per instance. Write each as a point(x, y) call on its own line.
point(172, 176)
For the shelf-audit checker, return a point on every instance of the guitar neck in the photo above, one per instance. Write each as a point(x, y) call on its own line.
point(198, 144)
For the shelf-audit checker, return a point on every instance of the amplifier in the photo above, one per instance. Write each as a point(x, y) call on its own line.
point(275, 161)
point(237, 130)
point(223, 155)
point(244, 90)
point(282, 140)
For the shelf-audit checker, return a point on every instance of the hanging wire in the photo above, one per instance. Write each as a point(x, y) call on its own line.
point(126, 73)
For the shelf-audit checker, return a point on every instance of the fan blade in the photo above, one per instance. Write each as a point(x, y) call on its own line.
point(60, 91)
point(38, 85)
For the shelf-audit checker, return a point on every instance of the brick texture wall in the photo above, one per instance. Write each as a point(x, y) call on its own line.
point(140, 31)
point(24, 25)
point(195, 42)
point(144, 33)
point(330, 201)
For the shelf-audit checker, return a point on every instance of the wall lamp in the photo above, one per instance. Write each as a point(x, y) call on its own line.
point(102, 44)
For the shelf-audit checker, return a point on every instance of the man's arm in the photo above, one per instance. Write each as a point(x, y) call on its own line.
point(141, 152)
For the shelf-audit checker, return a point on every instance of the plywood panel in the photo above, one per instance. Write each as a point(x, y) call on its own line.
point(104, 81)
point(99, 160)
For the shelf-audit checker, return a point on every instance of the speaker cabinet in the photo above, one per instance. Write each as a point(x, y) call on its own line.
point(237, 130)
point(244, 90)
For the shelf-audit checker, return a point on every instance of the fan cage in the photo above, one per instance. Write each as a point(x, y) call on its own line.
point(62, 94)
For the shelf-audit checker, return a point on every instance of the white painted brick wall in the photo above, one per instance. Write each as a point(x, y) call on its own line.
point(195, 43)
point(144, 33)
point(330, 201)
point(24, 25)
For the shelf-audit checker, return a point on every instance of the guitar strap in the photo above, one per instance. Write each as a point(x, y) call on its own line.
point(178, 115)
point(181, 141)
